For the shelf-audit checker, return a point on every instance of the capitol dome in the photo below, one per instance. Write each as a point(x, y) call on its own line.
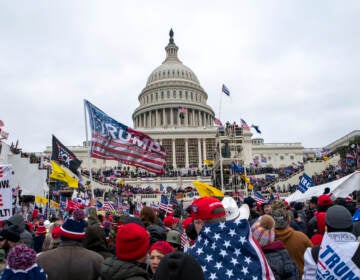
point(171, 88)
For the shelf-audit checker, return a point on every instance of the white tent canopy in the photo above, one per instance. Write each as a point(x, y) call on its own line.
point(340, 188)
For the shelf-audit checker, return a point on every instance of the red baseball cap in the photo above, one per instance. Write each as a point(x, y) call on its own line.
point(324, 200)
point(207, 208)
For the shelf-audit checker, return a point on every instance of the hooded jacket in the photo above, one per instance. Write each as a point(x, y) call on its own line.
point(296, 243)
point(17, 224)
point(114, 269)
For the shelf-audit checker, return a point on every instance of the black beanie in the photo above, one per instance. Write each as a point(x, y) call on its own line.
point(178, 266)
point(10, 235)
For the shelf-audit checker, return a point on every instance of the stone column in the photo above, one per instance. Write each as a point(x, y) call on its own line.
point(171, 117)
point(173, 153)
point(199, 152)
point(186, 153)
point(204, 148)
point(157, 118)
point(150, 118)
point(164, 118)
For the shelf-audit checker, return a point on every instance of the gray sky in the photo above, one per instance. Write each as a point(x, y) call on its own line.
point(291, 66)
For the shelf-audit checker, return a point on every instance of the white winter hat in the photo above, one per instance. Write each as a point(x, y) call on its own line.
point(231, 208)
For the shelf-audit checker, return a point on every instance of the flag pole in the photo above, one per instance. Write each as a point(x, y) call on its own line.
point(87, 143)
point(220, 105)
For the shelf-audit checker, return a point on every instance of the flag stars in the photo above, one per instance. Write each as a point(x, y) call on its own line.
point(209, 258)
point(206, 242)
point(237, 252)
point(218, 265)
point(199, 251)
point(247, 260)
point(234, 261)
point(254, 278)
point(223, 253)
point(229, 273)
point(242, 240)
point(244, 270)
point(207, 230)
point(213, 246)
point(232, 232)
point(212, 276)
point(204, 269)
point(222, 225)
point(216, 236)
point(227, 244)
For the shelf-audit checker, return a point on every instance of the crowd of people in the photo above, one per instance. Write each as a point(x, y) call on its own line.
point(210, 239)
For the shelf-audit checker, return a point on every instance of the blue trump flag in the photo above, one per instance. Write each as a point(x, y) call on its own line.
point(256, 127)
point(305, 183)
point(237, 168)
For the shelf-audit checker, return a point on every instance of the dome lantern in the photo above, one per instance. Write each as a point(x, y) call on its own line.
point(171, 49)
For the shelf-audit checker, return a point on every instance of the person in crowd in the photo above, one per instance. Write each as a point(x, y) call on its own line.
point(309, 212)
point(132, 246)
point(95, 238)
point(39, 238)
point(148, 216)
point(356, 217)
point(171, 223)
point(317, 224)
point(2, 261)
point(282, 266)
point(157, 252)
point(70, 260)
point(52, 240)
point(8, 239)
point(294, 241)
point(17, 223)
point(266, 207)
point(254, 215)
point(22, 265)
point(174, 238)
point(225, 247)
point(179, 266)
point(338, 255)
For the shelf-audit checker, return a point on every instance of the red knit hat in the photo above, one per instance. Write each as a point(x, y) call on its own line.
point(132, 242)
point(324, 200)
point(170, 220)
point(162, 246)
point(316, 239)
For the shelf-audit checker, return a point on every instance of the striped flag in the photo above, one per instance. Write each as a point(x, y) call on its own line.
point(244, 125)
point(108, 207)
point(184, 240)
point(225, 90)
point(112, 140)
point(217, 122)
point(153, 205)
point(260, 199)
point(165, 204)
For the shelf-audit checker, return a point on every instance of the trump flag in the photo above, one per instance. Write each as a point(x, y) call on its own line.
point(113, 140)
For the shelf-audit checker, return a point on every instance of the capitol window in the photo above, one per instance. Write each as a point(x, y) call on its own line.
point(186, 94)
point(281, 157)
point(180, 94)
point(191, 95)
point(174, 94)
point(291, 157)
point(168, 94)
point(162, 95)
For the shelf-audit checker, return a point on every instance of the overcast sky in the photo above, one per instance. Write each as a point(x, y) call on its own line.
point(292, 66)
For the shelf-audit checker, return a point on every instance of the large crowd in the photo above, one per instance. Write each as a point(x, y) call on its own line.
point(210, 239)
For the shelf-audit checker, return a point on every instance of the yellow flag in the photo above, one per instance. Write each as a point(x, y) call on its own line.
point(121, 182)
point(207, 190)
point(246, 179)
point(326, 158)
point(208, 162)
point(61, 175)
point(250, 187)
point(40, 200)
point(54, 204)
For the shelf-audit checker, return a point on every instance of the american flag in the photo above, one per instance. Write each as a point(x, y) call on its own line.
point(227, 250)
point(153, 205)
point(260, 199)
point(217, 122)
point(225, 90)
point(165, 204)
point(122, 206)
point(184, 240)
point(182, 110)
point(112, 140)
point(244, 125)
point(108, 207)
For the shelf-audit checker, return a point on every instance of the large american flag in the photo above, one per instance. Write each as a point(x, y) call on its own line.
point(108, 207)
point(244, 125)
point(112, 140)
point(227, 251)
point(165, 204)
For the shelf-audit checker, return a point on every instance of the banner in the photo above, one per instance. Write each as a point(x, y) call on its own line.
point(305, 183)
point(5, 192)
point(207, 190)
point(112, 140)
point(41, 200)
point(64, 156)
